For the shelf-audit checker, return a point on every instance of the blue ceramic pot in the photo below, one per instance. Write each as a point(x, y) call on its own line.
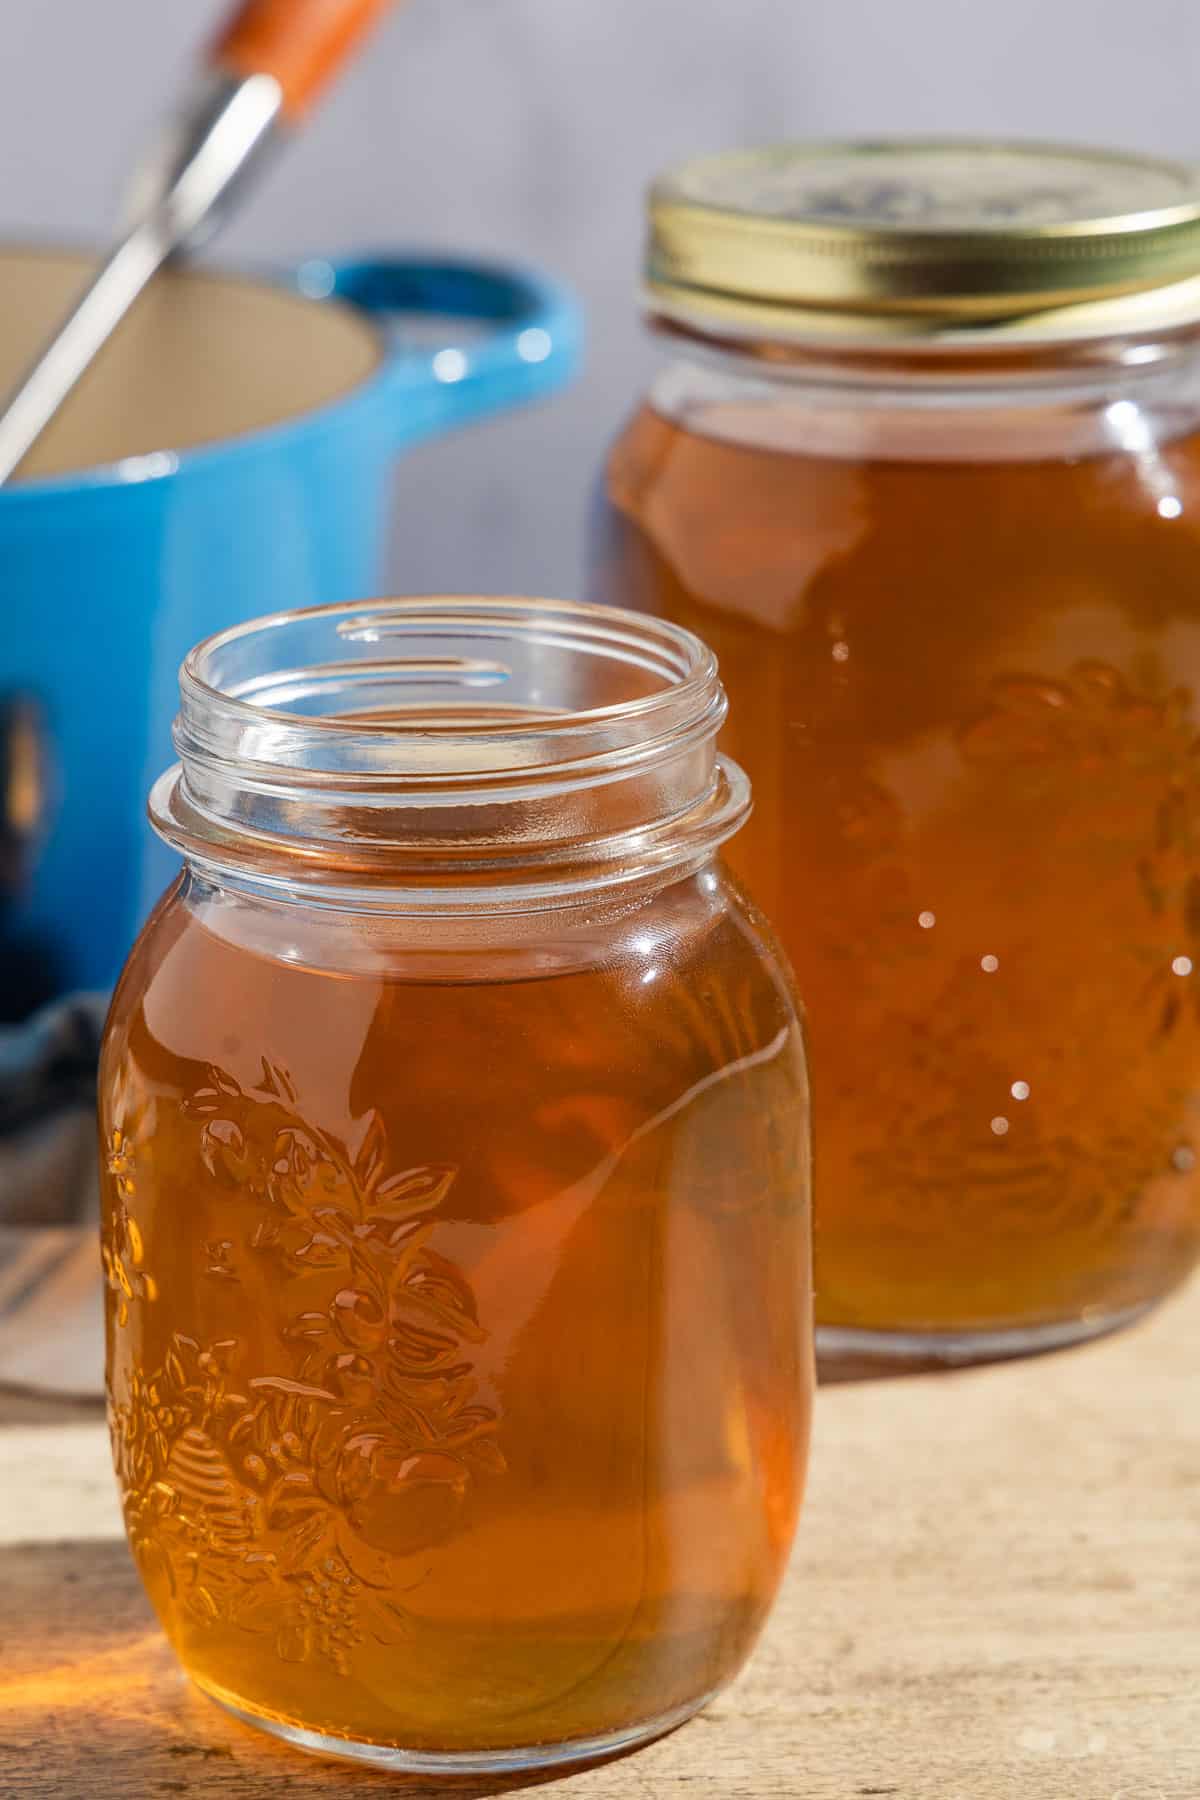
point(109, 576)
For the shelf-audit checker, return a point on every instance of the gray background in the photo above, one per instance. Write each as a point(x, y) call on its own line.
point(529, 127)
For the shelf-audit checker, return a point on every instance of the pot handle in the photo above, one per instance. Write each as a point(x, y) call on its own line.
point(531, 348)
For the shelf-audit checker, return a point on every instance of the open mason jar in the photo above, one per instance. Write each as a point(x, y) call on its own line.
point(923, 466)
point(454, 1129)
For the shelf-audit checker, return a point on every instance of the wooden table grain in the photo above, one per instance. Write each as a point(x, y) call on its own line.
point(995, 1595)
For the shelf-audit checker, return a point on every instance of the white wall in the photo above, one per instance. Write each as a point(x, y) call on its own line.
point(529, 127)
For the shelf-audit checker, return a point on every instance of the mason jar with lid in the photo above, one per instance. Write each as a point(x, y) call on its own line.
point(923, 464)
point(454, 1131)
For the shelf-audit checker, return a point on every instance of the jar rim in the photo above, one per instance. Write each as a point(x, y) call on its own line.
point(370, 620)
point(448, 743)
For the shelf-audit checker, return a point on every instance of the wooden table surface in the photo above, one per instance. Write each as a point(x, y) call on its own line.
point(995, 1595)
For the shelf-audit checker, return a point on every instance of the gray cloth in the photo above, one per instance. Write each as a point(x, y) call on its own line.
point(50, 1061)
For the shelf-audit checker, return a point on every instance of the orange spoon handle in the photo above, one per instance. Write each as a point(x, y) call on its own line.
point(302, 43)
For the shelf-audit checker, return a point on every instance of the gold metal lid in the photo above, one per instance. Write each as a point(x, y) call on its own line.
point(932, 239)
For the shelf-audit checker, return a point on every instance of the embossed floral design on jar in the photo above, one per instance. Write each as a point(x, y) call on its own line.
point(122, 1250)
point(275, 1500)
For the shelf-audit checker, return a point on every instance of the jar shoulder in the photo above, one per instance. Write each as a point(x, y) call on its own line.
point(673, 990)
point(848, 553)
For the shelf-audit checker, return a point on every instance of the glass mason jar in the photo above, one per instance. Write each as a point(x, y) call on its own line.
point(923, 466)
point(454, 1125)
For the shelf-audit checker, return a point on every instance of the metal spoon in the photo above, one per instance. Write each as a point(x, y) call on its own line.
point(266, 67)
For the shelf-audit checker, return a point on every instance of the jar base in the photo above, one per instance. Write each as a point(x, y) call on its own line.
point(846, 1353)
point(529, 1758)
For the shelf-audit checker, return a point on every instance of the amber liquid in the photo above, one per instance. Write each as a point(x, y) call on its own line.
point(965, 693)
point(458, 1371)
